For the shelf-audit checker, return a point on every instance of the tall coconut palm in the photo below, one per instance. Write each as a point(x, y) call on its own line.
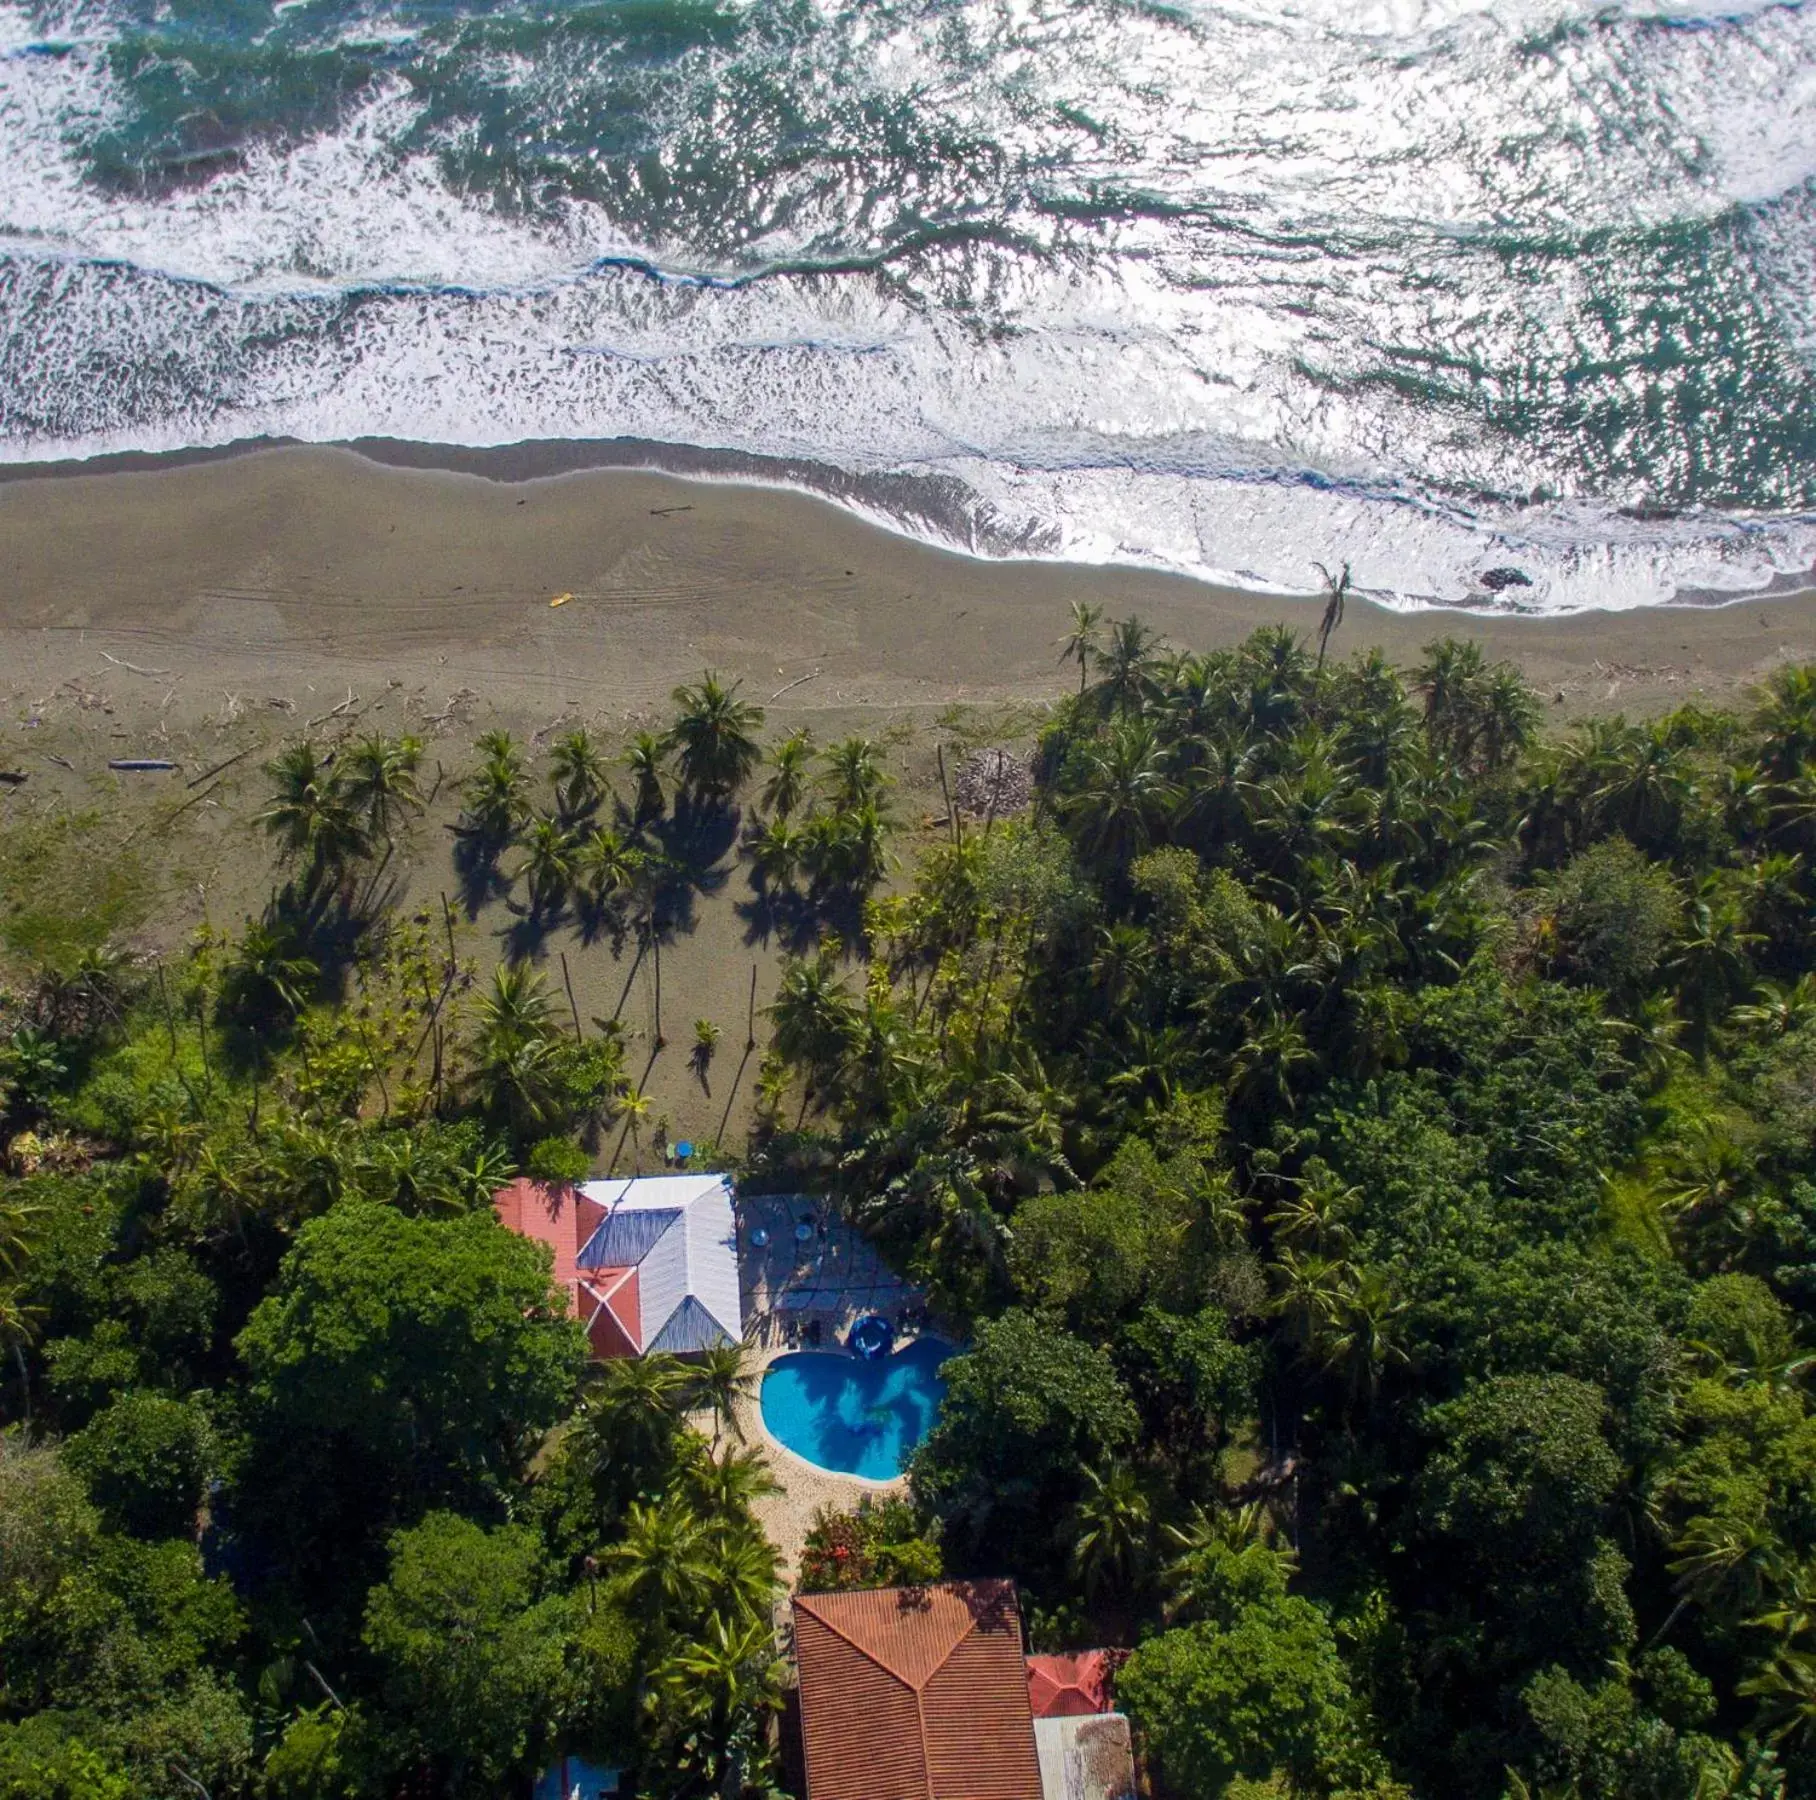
point(664, 1564)
point(713, 1697)
point(1112, 1527)
point(855, 773)
point(644, 761)
point(312, 816)
point(1452, 679)
point(381, 781)
point(786, 785)
point(606, 865)
point(720, 1380)
point(19, 1324)
point(1336, 591)
point(1080, 644)
point(1127, 668)
point(777, 850)
point(1711, 960)
point(548, 864)
point(815, 1019)
point(1121, 806)
point(713, 738)
point(1786, 720)
point(494, 794)
point(629, 1420)
point(18, 1230)
point(577, 768)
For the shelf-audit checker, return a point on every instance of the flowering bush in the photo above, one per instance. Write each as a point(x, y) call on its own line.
point(884, 1543)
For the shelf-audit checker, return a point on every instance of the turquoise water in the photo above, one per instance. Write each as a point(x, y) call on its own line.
point(1436, 287)
point(857, 1418)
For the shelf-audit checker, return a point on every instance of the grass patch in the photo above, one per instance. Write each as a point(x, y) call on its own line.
point(65, 889)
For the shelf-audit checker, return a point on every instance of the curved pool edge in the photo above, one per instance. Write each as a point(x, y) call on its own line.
point(821, 1471)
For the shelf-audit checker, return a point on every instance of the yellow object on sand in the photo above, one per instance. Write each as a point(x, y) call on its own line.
point(561, 600)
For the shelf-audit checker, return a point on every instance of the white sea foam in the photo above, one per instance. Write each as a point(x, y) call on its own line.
point(1191, 379)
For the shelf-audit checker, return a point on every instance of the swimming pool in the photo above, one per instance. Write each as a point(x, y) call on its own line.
point(851, 1416)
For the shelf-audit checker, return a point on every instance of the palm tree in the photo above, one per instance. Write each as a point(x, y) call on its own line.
point(633, 1107)
point(1112, 1529)
point(606, 864)
point(1312, 1289)
point(271, 966)
point(1777, 1008)
point(843, 848)
point(18, 1326)
point(719, 1381)
point(516, 1067)
point(1126, 670)
point(312, 816)
point(548, 864)
point(1711, 960)
point(644, 761)
point(1508, 720)
point(1123, 801)
point(1786, 719)
point(1452, 679)
point(1786, 1691)
point(381, 781)
point(1336, 589)
point(714, 1695)
point(724, 1488)
point(629, 1417)
point(577, 767)
point(1080, 644)
point(713, 738)
point(776, 851)
point(17, 1231)
point(494, 794)
point(664, 1564)
point(1360, 1339)
point(787, 783)
point(815, 1019)
point(706, 1041)
point(855, 773)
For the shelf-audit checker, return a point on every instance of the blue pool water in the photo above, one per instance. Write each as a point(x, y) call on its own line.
point(858, 1418)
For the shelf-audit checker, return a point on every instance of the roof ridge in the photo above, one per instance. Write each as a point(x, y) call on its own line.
point(916, 1688)
point(844, 1636)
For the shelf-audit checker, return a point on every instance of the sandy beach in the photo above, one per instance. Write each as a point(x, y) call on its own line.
point(297, 573)
point(212, 609)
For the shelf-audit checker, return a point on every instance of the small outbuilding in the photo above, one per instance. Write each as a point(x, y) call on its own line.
point(650, 1263)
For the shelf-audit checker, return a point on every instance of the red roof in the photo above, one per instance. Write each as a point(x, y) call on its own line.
point(612, 1311)
point(915, 1694)
point(1065, 1687)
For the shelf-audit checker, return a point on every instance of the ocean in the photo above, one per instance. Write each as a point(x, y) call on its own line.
point(1507, 305)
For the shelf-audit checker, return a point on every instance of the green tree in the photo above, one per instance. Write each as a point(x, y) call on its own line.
point(472, 1649)
point(381, 781)
point(577, 767)
point(146, 1459)
point(313, 816)
point(786, 785)
point(399, 1362)
point(1258, 1690)
point(1028, 1408)
point(714, 738)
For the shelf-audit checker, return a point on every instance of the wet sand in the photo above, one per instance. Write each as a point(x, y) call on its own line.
point(298, 574)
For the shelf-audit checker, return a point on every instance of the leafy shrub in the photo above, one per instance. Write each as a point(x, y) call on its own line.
point(882, 1544)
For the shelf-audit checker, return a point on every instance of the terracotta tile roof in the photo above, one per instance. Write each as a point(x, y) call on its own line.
point(915, 1694)
point(1062, 1687)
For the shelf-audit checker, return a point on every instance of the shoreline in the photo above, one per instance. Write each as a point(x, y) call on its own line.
point(936, 512)
point(298, 571)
